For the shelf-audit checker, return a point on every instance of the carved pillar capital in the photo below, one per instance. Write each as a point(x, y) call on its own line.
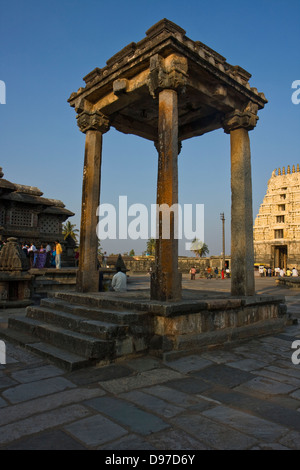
point(156, 145)
point(168, 73)
point(246, 118)
point(92, 121)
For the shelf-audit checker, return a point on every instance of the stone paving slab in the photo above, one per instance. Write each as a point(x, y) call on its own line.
point(6, 382)
point(215, 435)
point(30, 390)
point(223, 375)
point(152, 403)
point(242, 397)
point(36, 373)
point(99, 374)
point(174, 396)
point(260, 429)
point(277, 413)
point(247, 365)
point(191, 385)
point(266, 386)
point(2, 403)
point(144, 379)
point(177, 440)
point(129, 442)
point(189, 364)
point(128, 414)
point(95, 430)
point(283, 378)
point(48, 440)
point(25, 409)
point(40, 422)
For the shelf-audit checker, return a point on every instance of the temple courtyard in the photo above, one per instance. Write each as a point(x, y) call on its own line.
point(246, 396)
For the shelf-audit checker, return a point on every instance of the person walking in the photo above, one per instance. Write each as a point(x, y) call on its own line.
point(193, 273)
point(58, 250)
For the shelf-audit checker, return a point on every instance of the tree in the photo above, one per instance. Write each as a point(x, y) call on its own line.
point(151, 243)
point(69, 229)
point(199, 248)
point(132, 253)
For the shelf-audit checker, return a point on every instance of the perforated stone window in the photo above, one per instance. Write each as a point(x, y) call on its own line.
point(49, 224)
point(21, 217)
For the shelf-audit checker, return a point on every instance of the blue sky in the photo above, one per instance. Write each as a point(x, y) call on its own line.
point(48, 47)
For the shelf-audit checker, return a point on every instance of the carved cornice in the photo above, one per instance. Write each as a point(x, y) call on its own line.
point(94, 121)
point(170, 73)
point(246, 118)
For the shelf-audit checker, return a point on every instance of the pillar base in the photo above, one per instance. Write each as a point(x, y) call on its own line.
point(87, 281)
point(165, 286)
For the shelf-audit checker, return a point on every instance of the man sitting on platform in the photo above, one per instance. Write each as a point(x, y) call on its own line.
point(119, 281)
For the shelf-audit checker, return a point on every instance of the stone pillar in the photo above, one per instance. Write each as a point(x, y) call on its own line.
point(93, 125)
point(242, 251)
point(166, 281)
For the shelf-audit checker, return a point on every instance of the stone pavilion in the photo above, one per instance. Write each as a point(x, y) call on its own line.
point(168, 88)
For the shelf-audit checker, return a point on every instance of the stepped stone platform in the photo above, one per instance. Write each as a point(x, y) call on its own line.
point(46, 280)
point(76, 330)
point(293, 282)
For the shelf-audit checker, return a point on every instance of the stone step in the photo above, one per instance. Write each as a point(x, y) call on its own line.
point(120, 317)
point(45, 280)
point(96, 301)
point(60, 357)
point(96, 328)
point(72, 341)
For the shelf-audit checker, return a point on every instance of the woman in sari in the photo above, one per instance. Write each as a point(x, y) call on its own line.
point(41, 259)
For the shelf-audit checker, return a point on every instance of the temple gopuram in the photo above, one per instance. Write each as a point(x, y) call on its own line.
point(29, 217)
point(277, 225)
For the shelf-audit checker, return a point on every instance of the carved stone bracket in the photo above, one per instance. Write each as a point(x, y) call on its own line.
point(246, 118)
point(94, 121)
point(169, 73)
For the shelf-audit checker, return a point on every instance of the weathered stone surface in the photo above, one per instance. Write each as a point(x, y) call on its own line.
point(40, 422)
point(145, 379)
point(128, 414)
point(242, 254)
point(88, 275)
point(151, 403)
point(12, 258)
point(213, 434)
point(29, 391)
point(260, 429)
point(95, 430)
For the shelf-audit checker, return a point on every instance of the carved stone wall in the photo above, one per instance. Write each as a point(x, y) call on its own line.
point(277, 224)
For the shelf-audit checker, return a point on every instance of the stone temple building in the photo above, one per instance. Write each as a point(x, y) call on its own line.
point(277, 225)
point(28, 216)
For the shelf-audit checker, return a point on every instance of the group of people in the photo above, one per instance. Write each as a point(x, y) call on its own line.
point(281, 272)
point(46, 256)
point(210, 273)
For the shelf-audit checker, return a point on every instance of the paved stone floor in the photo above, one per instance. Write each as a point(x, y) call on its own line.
point(245, 397)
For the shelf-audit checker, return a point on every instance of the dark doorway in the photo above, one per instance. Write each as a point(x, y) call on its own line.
point(280, 256)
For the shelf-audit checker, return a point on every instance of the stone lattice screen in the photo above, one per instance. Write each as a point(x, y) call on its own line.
point(49, 224)
point(21, 217)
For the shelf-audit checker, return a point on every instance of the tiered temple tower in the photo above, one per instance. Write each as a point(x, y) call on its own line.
point(277, 225)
